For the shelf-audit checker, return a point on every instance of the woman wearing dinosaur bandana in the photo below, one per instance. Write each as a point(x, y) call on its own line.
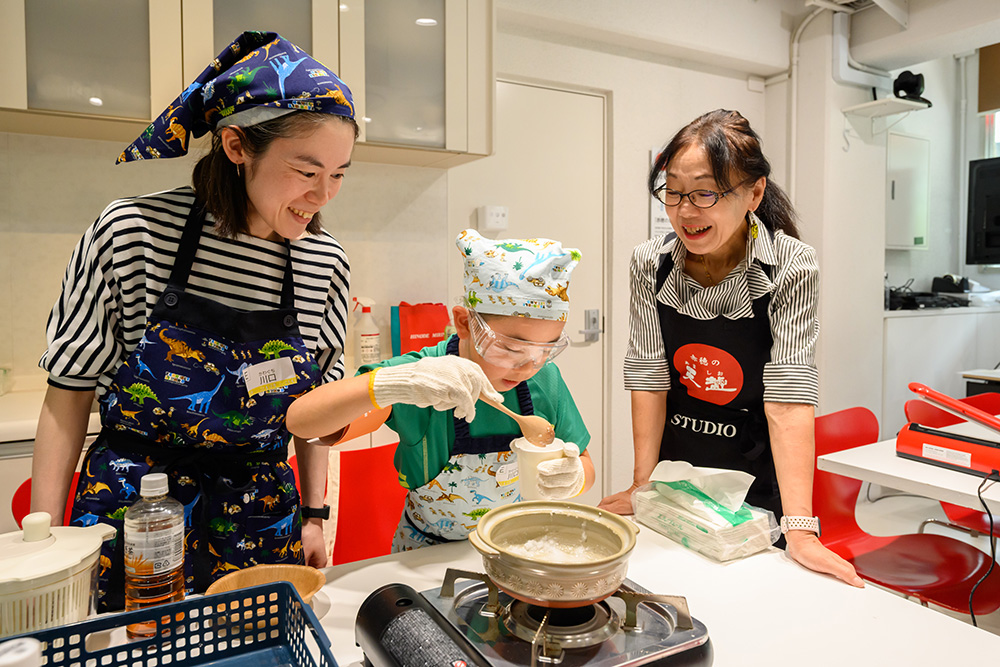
point(198, 314)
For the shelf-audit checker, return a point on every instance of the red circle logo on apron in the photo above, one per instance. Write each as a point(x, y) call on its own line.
point(710, 374)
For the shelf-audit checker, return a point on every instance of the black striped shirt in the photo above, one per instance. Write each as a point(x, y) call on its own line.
point(791, 375)
point(121, 266)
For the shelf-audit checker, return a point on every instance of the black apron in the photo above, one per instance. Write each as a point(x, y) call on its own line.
point(181, 404)
point(715, 406)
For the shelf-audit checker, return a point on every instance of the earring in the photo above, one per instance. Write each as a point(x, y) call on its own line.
point(753, 224)
point(239, 172)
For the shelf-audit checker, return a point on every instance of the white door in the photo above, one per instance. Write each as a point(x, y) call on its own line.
point(549, 171)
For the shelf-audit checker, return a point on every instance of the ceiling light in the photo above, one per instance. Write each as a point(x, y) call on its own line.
point(367, 119)
point(344, 7)
point(427, 22)
point(96, 101)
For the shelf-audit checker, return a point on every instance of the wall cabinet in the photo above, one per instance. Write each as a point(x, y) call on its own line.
point(423, 90)
point(907, 182)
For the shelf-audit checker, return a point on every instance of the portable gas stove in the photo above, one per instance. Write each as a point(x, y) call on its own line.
point(472, 622)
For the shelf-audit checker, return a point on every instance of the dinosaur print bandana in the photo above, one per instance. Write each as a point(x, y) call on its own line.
point(260, 76)
point(519, 277)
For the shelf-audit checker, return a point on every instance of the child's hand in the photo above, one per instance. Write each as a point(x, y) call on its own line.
point(562, 478)
point(442, 383)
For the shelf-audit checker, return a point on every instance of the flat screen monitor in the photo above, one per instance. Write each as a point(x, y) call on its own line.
point(983, 239)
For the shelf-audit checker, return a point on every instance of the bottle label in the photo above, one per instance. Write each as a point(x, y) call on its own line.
point(154, 552)
point(370, 348)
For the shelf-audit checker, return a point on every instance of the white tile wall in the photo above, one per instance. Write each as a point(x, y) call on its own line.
point(391, 220)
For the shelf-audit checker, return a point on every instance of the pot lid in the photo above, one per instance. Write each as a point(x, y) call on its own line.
point(42, 549)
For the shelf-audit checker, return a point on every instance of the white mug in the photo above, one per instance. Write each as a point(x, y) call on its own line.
point(528, 458)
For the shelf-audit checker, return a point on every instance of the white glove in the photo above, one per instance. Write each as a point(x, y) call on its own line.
point(442, 383)
point(562, 478)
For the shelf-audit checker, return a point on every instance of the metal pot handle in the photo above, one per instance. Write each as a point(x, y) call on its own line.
point(481, 546)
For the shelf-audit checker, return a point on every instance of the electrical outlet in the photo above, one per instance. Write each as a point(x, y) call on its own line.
point(492, 218)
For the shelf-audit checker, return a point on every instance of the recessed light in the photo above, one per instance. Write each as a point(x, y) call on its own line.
point(427, 22)
point(367, 119)
point(344, 7)
point(96, 101)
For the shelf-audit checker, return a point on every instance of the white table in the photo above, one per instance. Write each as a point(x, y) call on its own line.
point(877, 463)
point(764, 610)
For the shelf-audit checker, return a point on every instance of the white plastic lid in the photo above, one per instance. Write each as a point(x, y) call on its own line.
point(23, 652)
point(154, 484)
point(42, 550)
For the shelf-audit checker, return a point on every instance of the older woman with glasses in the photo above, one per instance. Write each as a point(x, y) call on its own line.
point(455, 459)
point(720, 361)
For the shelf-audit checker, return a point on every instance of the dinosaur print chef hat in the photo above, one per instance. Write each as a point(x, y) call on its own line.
point(519, 277)
point(260, 76)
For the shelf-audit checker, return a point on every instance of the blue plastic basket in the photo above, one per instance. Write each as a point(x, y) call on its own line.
point(260, 625)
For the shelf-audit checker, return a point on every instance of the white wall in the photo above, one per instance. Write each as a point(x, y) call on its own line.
point(648, 103)
point(391, 221)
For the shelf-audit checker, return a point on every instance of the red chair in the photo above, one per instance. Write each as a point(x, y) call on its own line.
point(370, 504)
point(20, 503)
point(960, 518)
point(931, 568)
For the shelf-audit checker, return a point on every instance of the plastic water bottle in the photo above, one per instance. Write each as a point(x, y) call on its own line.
point(368, 337)
point(154, 551)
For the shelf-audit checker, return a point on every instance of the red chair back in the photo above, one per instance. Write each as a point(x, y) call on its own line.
point(20, 503)
point(835, 496)
point(988, 402)
point(370, 505)
point(921, 412)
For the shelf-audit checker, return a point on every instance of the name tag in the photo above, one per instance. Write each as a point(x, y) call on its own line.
point(269, 375)
point(507, 474)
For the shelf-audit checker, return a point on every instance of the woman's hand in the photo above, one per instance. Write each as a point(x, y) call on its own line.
point(619, 503)
point(313, 543)
point(806, 549)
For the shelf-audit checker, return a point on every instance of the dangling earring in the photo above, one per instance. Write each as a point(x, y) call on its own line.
point(753, 223)
point(239, 172)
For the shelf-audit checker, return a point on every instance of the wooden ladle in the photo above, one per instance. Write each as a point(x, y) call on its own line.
point(535, 429)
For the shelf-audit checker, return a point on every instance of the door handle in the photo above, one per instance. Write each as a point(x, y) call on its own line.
point(592, 323)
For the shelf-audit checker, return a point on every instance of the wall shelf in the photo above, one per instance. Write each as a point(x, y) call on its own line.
point(884, 107)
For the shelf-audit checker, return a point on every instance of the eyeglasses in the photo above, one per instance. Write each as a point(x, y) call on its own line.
point(506, 352)
point(698, 198)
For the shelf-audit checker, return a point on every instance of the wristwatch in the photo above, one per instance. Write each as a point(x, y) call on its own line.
point(810, 523)
point(315, 512)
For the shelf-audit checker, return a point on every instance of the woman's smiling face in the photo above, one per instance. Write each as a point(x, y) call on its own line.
point(295, 177)
point(712, 230)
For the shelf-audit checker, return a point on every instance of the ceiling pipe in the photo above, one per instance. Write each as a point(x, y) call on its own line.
point(846, 70)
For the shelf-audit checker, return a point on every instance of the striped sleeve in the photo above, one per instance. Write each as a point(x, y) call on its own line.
point(646, 367)
point(82, 328)
point(331, 263)
point(791, 375)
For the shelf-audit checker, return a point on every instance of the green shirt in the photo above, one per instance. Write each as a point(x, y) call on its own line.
point(426, 435)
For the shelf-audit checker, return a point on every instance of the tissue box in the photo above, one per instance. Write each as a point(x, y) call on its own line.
point(689, 517)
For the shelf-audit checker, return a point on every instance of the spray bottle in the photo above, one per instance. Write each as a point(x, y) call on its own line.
point(367, 337)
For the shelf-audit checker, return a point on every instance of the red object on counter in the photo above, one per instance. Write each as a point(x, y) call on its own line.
point(950, 450)
point(961, 518)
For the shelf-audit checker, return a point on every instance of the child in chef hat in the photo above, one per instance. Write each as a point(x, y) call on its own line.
point(454, 455)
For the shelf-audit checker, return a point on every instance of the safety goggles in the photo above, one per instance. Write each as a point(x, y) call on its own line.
point(506, 352)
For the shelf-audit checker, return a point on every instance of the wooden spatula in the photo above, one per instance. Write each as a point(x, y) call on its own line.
point(535, 429)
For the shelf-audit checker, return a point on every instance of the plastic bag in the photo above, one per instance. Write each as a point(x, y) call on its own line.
point(417, 325)
point(685, 514)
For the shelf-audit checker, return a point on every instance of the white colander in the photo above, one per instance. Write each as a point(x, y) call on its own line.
point(48, 574)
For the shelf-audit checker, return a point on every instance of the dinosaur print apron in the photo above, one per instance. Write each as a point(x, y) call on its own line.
point(203, 397)
point(480, 474)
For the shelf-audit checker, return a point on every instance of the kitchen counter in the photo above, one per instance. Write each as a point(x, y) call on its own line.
point(762, 610)
point(19, 412)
